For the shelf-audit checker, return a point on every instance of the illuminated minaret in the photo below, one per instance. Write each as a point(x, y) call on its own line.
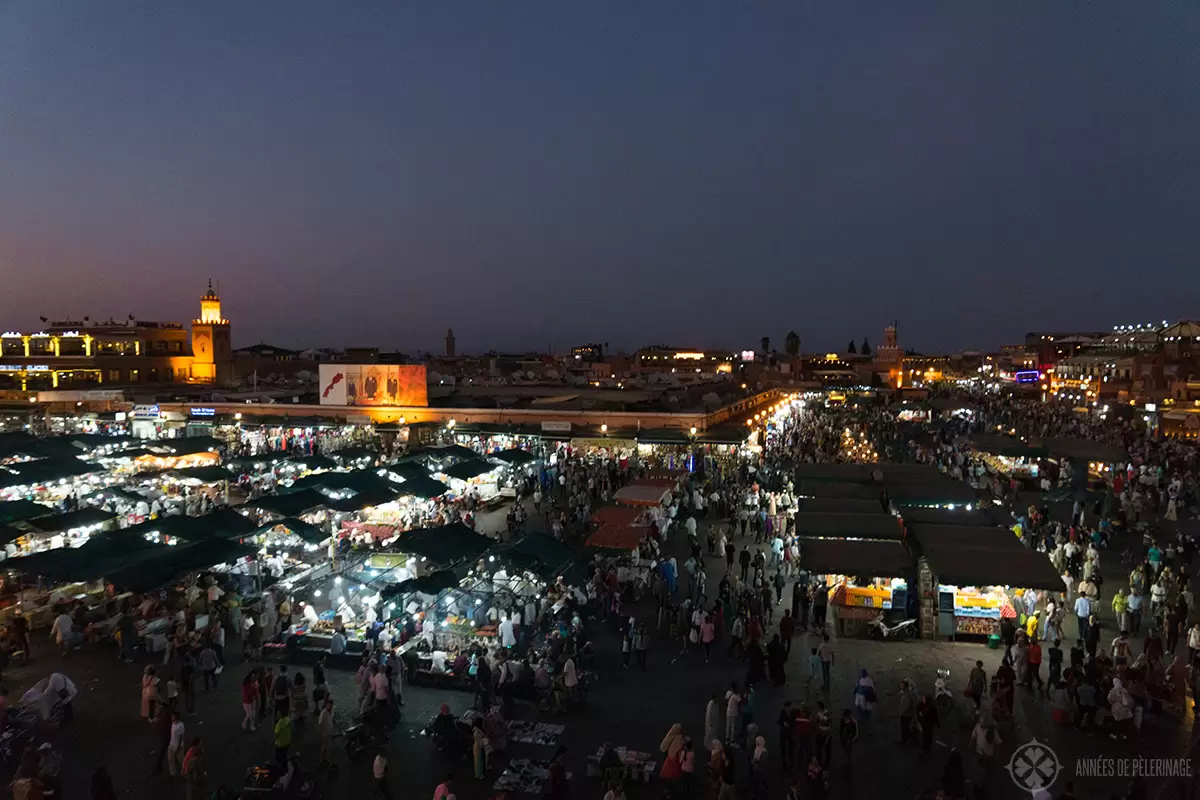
point(212, 342)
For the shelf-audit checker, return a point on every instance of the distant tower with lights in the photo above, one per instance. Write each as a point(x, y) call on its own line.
point(450, 343)
point(212, 342)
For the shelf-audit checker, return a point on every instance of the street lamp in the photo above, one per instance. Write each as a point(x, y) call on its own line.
point(604, 427)
point(450, 424)
point(693, 430)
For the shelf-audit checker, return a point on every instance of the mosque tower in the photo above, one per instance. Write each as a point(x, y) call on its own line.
point(450, 343)
point(212, 342)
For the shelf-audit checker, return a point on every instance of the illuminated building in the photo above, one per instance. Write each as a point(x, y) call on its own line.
point(679, 360)
point(82, 353)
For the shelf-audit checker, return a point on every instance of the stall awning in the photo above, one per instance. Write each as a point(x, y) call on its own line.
point(298, 527)
point(839, 490)
point(113, 493)
point(639, 494)
point(432, 584)
point(206, 474)
point(426, 488)
point(617, 537)
point(17, 510)
point(663, 436)
point(441, 453)
point(190, 446)
point(350, 455)
point(71, 520)
point(405, 470)
point(868, 559)
point(313, 463)
point(849, 526)
point(972, 555)
point(985, 515)
point(45, 470)
point(221, 524)
point(445, 544)
point(466, 470)
point(9, 534)
point(513, 457)
point(839, 505)
point(1085, 450)
point(851, 473)
point(945, 491)
point(162, 568)
point(364, 498)
point(540, 554)
point(1007, 446)
point(292, 504)
point(243, 462)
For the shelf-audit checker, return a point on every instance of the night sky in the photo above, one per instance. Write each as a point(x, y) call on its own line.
point(692, 173)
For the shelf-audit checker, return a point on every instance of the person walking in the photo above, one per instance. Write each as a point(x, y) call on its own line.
point(847, 736)
point(195, 771)
point(908, 710)
point(149, 694)
point(864, 694)
point(825, 654)
point(175, 746)
point(250, 701)
point(325, 730)
point(162, 732)
point(977, 683)
point(712, 721)
point(641, 645)
point(208, 664)
point(282, 739)
point(927, 718)
point(733, 701)
point(379, 773)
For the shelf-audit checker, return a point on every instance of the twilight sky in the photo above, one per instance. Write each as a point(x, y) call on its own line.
point(693, 172)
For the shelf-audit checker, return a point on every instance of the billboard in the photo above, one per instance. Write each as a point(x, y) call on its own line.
point(373, 385)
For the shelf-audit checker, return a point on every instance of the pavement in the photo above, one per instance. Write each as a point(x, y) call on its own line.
point(626, 707)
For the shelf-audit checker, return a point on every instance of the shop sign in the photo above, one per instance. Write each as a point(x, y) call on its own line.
point(120, 416)
point(144, 412)
point(10, 367)
point(551, 426)
point(615, 444)
point(202, 412)
point(36, 368)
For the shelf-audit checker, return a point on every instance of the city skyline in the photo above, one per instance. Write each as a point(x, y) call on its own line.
point(704, 176)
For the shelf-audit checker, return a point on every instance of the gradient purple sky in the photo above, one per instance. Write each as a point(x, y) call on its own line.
point(699, 173)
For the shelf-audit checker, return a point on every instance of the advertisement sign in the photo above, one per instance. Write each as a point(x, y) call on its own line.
point(373, 385)
point(144, 412)
point(197, 411)
point(1027, 376)
point(556, 427)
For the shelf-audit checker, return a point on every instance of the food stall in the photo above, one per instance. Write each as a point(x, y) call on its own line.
point(474, 477)
point(52, 480)
point(865, 578)
point(976, 575)
point(70, 529)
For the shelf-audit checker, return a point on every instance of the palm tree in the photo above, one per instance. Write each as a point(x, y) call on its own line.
point(791, 344)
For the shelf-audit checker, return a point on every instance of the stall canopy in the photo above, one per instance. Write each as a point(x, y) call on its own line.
point(838, 505)
point(423, 487)
point(220, 524)
point(445, 544)
point(249, 462)
point(468, 469)
point(984, 515)
point(849, 526)
point(404, 470)
point(45, 470)
point(872, 559)
point(514, 457)
point(1085, 450)
point(61, 523)
point(297, 527)
point(442, 453)
point(838, 490)
point(641, 494)
point(432, 584)
point(934, 492)
point(852, 473)
point(292, 504)
point(17, 510)
point(113, 493)
point(9, 534)
point(313, 463)
point(206, 474)
point(619, 528)
point(972, 555)
point(1007, 446)
point(351, 455)
point(162, 568)
point(190, 445)
point(540, 554)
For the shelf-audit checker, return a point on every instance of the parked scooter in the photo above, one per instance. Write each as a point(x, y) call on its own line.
point(905, 629)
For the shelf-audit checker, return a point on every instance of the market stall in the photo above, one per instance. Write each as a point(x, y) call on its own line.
point(848, 526)
point(979, 572)
point(865, 579)
point(52, 479)
point(71, 529)
point(473, 477)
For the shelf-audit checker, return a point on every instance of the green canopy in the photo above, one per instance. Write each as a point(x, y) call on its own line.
point(513, 457)
point(207, 474)
point(71, 520)
point(426, 488)
point(445, 544)
point(466, 470)
point(298, 527)
point(292, 504)
point(17, 510)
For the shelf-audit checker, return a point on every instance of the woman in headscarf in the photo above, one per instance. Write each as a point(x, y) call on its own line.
point(864, 694)
point(776, 655)
point(716, 762)
point(149, 693)
point(758, 768)
point(1120, 705)
point(671, 747)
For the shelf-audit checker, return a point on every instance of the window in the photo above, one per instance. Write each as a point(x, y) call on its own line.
point(160, 346)
point(133, 376)
point(153, 375)
point(176, 347)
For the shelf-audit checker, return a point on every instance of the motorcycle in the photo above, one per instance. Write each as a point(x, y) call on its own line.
point(272, 781)
point(360, 737)
point(905, 629)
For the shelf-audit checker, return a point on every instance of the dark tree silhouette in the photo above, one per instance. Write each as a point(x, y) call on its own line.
point(850, 348)
point(791, 344)
point(766, 344)
point(866, 348)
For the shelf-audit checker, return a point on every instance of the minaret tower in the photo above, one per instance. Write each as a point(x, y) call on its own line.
point(212, 342)
point(450, 343)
